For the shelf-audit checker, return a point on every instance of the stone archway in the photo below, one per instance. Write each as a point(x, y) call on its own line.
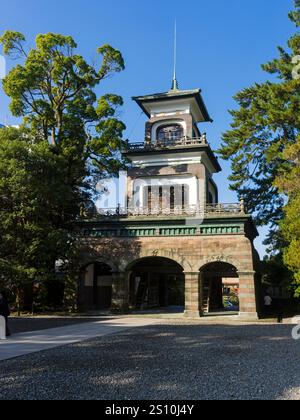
point(156, 282)
point(170, 254)
point(247, 286)
point(219, 287)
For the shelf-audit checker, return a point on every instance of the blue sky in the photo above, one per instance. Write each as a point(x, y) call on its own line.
point(221, 46)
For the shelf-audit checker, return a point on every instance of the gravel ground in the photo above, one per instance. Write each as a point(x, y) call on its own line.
point(22, 325)
point(163, 362)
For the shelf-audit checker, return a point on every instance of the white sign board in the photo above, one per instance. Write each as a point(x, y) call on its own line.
point(2, 328)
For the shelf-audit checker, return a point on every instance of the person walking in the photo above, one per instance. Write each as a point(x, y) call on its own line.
point(4, 311)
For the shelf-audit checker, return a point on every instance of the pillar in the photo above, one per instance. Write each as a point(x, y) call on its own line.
point(120, 292)
point(247, 295)
point(193, 295)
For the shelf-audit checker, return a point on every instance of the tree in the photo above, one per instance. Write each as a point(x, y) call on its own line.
point(289, 183)
point(266, 123)
point(264, 148)
point(54, 93)
point(32, 197)
point(69, 138)
point(275, 273)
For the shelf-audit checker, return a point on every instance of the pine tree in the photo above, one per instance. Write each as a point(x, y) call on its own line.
point(263, 146)
point(266, 122)
point(289, 183)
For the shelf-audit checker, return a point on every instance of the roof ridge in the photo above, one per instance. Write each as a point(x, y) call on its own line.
point(169, 93)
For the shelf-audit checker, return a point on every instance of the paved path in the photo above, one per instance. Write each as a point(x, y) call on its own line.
point(27, 343)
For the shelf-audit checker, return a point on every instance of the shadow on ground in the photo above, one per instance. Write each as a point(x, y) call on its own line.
point(163, 362)
point(23, 325)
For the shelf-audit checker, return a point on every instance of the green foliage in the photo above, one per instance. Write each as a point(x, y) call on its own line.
point(289, 183)
point(54, 91)
point(267, 121)
point(112, 61)
point(263, 146)
point(295, 15)
point(275, 273)
point(36, 206)
point(12, 42)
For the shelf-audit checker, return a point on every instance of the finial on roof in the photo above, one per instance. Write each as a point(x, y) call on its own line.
point(175, 82)
point(175, 85)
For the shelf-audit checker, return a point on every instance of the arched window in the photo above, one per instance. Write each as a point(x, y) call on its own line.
point(170, 132)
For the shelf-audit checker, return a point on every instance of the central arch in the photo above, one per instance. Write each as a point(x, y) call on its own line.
point(156, 282)
point(220, 287)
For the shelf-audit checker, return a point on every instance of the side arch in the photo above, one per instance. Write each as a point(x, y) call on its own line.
point(91, 254)
point(204, 262)
point(215, 273)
